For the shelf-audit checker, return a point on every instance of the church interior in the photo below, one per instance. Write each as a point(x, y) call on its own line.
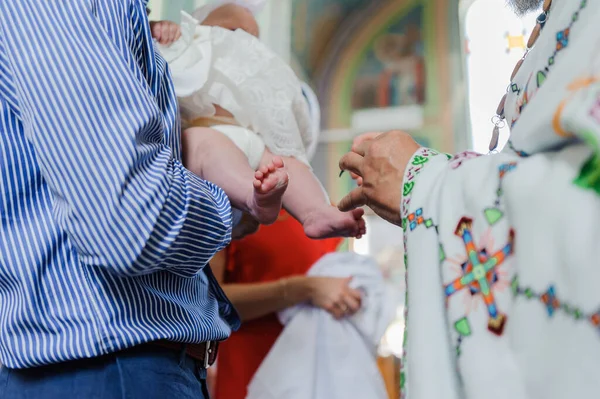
point(433, 68)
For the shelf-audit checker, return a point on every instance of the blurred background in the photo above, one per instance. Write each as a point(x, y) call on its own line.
point(434, 68)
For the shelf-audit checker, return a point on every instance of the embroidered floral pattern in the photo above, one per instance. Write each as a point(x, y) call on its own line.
point(459, 159)
point(421, 157)
point(411, 222)
point(552, 303)
point(562, 41)
point(479, 273)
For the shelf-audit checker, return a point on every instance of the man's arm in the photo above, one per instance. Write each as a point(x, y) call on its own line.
point(125, 202)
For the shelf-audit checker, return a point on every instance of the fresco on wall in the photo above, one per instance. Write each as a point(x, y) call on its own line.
point(362, 56)
point(315, 24)
point(392, 72)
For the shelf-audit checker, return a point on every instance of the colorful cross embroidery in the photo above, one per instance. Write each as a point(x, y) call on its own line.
point(479, 273)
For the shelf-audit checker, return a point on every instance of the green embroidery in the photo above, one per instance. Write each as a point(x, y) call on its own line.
point(442, 254)
point(463, 327)
point(514, 285)
point(495, 213)
point(419, 160)
point(589, 176)
point(541, 77)
point(408, 187)
point(492, 215)
point(402, 379)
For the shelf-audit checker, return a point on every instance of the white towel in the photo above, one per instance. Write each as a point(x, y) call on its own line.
point(318, 357)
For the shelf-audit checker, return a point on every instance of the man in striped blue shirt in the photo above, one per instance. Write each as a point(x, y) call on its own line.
point(104, 235)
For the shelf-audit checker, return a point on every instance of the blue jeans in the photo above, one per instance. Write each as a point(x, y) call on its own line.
point(146, 372)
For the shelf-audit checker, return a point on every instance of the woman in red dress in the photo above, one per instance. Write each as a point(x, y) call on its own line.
point(263, 274)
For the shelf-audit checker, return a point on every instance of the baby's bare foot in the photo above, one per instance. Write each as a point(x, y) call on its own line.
point(270, 184)
point(329, 222)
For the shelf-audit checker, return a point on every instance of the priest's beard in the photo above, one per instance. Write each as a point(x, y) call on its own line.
point(523, 7)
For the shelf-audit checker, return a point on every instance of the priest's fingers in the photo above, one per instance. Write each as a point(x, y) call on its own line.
point(355, 199)
point(352, 162)
point(360, 140)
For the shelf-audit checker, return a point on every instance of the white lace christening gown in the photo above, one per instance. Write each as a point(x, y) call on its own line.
point(234, 70)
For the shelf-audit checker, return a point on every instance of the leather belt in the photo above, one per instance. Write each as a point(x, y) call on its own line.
point(204, 353)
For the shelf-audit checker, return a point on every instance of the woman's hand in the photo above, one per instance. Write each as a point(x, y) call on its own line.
point(165, 32)
point(334, 295)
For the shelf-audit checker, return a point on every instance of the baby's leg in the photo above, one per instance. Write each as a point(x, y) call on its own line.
point(306, 201)
point(214, 157)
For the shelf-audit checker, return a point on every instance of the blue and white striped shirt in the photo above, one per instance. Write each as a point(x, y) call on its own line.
point(104, 235)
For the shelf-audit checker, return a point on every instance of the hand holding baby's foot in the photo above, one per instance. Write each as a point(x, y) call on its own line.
point(330, 222)
point(270, 183)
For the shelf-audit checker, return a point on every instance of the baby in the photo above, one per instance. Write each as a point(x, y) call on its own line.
point(247, 123)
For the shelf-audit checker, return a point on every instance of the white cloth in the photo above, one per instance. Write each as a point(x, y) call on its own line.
point(246, 140)
point(318, 357)
point(315, 117)
point(234, 70)
point(503, 273)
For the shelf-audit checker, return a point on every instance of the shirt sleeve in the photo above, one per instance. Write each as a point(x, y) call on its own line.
point(98, 130)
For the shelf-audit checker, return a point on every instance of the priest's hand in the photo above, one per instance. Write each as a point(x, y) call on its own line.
point(378, 161)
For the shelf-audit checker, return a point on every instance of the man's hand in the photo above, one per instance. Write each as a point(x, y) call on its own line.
point(165, 32)
point(378, 161)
